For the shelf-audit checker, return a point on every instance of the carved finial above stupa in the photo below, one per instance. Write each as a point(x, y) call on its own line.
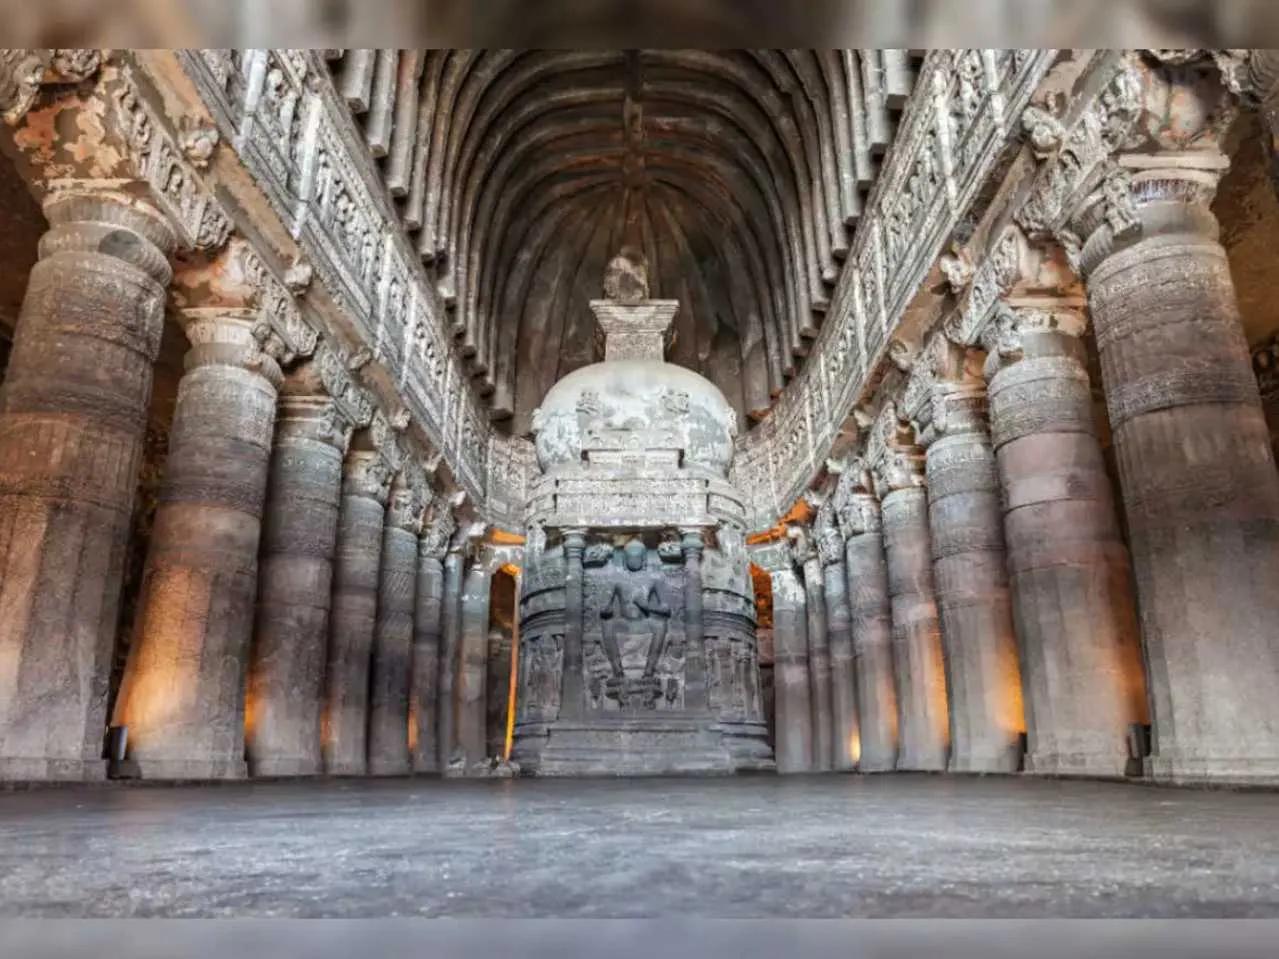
point(626, 278)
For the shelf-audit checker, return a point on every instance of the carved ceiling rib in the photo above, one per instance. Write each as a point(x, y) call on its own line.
point(738, 173)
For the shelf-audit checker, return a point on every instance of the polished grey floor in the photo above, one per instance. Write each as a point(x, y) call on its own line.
point(760, 846)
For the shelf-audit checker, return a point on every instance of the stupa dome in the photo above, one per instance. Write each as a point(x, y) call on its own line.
point(661, 406)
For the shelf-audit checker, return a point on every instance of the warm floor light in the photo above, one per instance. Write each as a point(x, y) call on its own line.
point(855, 746)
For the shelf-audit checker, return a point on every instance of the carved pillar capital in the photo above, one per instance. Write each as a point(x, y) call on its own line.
point(367, 474)
point(236, 276)
point(108, 131)
point(24, 72)
point(897, 461)
point(222, 336)
point(692, 542)
point(439, 529)
point(407, 500)
point(574, 542)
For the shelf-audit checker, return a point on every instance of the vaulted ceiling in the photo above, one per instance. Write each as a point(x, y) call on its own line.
point(739, 174)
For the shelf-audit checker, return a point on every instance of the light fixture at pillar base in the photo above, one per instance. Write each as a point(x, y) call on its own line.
point(119, 766)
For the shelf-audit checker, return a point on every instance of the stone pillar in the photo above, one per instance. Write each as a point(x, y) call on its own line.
point(871, 621)
point(917, 648)
point(316, 412)
point(573, 698)
point(693, 546)
point(792, 710)
point(182, 697)
point(805, 557)
point(1071, 587)
point(846, 737)
point(356, 575)
point(1265, 364)
point(472, 675)
point(72, 420)
point(427, 635)
point(451, 634)
point(1199, 483)
point(393, 642)
point(971, 575)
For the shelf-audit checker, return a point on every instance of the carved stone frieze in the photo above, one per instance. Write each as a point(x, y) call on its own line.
point(295, 134)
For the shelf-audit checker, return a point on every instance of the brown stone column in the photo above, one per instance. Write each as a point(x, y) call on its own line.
point(792, 696)
point(845, 735)
point(693, 545)
point(917, 648)
point(392, 670)
point(286, 695)
point(182, 697)
point(805, 556)
point(971, 578)
point(573, 697)
point(871, 622)
point(356, 576)
point(451, 636)
point(72, 420)
point(1071, 587)
point(472, 675)
point(427, 638)
point(1200, 488)
point(1265, 364)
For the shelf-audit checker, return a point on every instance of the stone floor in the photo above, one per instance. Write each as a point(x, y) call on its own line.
point(761, 846)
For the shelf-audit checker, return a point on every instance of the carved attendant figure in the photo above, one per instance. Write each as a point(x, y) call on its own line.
point(638, 597)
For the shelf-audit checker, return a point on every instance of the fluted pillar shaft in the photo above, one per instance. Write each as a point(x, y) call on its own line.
point(392, 668)
point(426, 658)
point(1071, 586)
point(818, 663)
point(450, 642)
point(917, 649)
point(356, 578)
point(182, 697)
point(472, 676)
point(971, 580)
point(1198, 475)
point(871, 622)
point(295, 581)
point(573, 698)
point(846, 736)
point(792, 693)
point(693, 546)
point(72, 420)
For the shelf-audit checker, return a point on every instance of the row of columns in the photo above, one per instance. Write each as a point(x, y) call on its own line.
point(292, 607)
point(986, 581)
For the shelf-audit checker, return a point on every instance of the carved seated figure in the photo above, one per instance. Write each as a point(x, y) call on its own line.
point(637, 605)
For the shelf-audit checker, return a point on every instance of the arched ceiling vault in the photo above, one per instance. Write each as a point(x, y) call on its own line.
point(739, 174)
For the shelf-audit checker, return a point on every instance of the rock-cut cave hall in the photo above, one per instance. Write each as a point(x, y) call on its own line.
point(374, 422)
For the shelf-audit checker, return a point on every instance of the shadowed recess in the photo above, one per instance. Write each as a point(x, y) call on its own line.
point(741, 175)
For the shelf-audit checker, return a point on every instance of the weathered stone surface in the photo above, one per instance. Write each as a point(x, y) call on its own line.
point(792, 691)
point(295, 585)
point(447, 723)
point(392, 666)
point(1071, 587)
point(72, 418)
point(917, 649)
point(427, 639)
point(182, 697)
point(969, 568)
point(356, 579)
point(845, 734)
point(1200, 488)
point(472, 674)
point(871, 621)
point(806, 558)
